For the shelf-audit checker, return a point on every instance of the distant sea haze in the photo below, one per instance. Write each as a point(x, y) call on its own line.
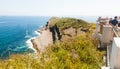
point(15, 31)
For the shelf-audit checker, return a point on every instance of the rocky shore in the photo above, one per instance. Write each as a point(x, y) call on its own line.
point(43, 40)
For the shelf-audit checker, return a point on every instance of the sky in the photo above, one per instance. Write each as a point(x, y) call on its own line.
point(59, 7)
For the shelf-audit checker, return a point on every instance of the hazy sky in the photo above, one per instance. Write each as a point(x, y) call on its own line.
point(59, 7)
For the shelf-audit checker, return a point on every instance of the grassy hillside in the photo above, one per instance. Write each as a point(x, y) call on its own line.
point(64, 23)
point(79, 52)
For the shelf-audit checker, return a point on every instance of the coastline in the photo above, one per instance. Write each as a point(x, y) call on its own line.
point(43, 40)
point(30, 43)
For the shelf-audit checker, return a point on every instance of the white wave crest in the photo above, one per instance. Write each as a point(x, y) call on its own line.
point(30, 45)
point(36, 32)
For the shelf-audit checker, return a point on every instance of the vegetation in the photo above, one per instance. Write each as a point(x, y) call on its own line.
point(64, 23)
point(79, 52)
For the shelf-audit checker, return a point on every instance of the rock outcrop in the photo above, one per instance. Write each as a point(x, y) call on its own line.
point(58, 29)
point(42, 41)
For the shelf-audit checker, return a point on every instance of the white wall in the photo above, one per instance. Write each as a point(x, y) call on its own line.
point(115, 54)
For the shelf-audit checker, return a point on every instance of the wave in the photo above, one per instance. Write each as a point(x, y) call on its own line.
point(19, 48)
point(27, 36)
point(30, 44)
point(37, 33)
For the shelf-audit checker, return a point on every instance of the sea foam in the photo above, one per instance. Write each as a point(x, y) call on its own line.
point(30, 44)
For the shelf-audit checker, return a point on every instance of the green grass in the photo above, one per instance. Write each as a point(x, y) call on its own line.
point(77, 53)
point(64, 23)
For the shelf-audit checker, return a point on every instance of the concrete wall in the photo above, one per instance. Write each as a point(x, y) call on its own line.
point(107, 34)
point(115, 54)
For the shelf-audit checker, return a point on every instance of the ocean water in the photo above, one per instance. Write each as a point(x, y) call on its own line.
point(15, 31)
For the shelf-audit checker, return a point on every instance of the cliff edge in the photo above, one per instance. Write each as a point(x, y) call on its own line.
point(59, 29)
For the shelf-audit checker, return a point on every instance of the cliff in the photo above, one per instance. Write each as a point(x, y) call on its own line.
point(64, 28)
point(59, 29)
point(43, 40)
point(73, 48)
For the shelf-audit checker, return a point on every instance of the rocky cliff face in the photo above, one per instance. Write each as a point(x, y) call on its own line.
point(65, 28)
point(59, 29)
point(42, 41)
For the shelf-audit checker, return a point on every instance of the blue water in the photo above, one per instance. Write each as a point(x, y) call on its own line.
point(13, 30)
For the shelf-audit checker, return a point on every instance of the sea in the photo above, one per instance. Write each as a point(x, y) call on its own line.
point(16, 32)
